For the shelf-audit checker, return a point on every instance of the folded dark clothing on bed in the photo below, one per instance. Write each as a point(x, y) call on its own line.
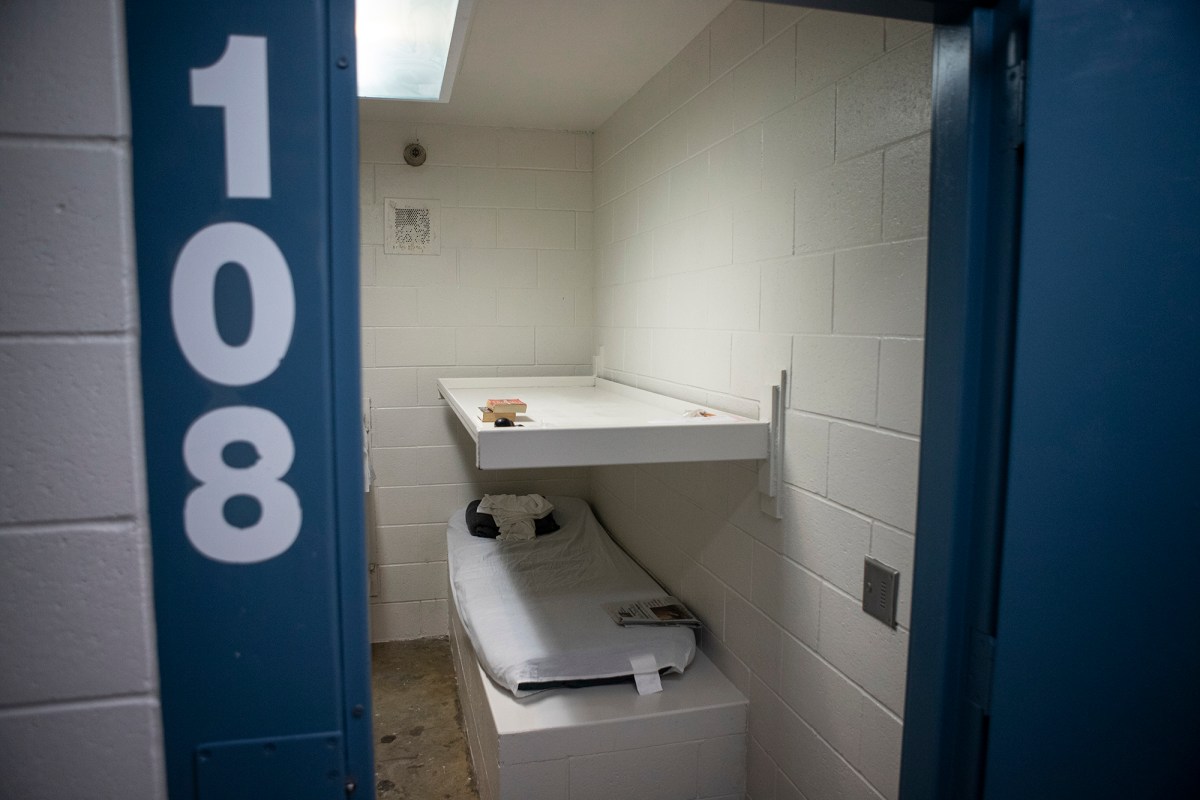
point(484, 525)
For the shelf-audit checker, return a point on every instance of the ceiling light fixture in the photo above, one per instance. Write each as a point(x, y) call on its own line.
point(410, 49)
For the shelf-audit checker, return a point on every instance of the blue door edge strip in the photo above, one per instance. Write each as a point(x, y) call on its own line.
point(347, 390)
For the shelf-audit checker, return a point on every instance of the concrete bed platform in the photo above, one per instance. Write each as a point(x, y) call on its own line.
point(687, 742)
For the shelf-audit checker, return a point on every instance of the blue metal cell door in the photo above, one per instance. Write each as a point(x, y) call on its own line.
point(1097, 652)
point(245, 170)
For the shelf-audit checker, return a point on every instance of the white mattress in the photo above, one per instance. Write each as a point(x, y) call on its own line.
point(533, 609)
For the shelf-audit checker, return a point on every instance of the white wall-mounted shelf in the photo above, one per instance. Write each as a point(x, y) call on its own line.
point(589, 421)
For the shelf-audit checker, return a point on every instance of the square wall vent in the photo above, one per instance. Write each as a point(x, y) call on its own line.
point(412, 227)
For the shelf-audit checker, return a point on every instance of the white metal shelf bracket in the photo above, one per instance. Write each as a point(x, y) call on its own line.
point(772, 408)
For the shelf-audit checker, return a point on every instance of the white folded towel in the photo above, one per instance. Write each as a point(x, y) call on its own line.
point(515, 513)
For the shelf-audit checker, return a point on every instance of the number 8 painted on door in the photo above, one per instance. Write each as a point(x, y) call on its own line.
point(237, 83)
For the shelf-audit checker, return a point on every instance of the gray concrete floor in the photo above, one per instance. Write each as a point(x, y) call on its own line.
point(420, 746)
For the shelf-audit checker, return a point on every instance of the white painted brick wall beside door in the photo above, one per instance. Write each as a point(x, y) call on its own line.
point(761, 205)
point(77, 660)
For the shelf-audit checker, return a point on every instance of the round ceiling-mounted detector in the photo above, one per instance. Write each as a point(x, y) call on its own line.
point(414, 154)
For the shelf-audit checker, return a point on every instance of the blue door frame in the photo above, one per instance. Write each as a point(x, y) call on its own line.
point(244, 125)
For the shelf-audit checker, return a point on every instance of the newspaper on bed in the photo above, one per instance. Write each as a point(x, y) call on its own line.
point(653, 611)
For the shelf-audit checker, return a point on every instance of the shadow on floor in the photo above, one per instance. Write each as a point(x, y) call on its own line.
point(420, 747)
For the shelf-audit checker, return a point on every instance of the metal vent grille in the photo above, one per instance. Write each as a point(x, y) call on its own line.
point(411, 227)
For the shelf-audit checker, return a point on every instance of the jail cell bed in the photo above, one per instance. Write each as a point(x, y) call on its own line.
point(535, 608)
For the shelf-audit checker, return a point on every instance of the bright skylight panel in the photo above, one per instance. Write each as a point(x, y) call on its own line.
point(404, 47)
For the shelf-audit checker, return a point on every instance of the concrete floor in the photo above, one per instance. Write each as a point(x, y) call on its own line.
point(420, 747)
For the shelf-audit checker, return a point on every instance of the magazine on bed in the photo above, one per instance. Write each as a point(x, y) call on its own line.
point(653, 611)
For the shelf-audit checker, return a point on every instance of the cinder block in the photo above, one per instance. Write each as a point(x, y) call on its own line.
point(414, 427)
point(399, 583)
point(700, 590)
point(670, 142)
point(874, 472)
point(841, 206)
point(459, 145)
point(788, 594)
point(498, 267)
point(735, 165)
point(813, 765)
point(754, 638)
point(728, 555)
point(694, 358)
point(94, 609)
point(901, 369)
point(390, 386)
point(763, 225)
point(389, 306)
point(687, 74)
point(900, 82)
point(831, 45)
point(66, 420)
point(563, 345)
point(537, 149)
point(731, 298)
point(797, 295)
point(689, 188)
point(543, 305)
point(440, 269)
point(584, 151)
point(366, 265)
point(551, 230)
point(565, 190)
point(806, 452)
point(825, 539)
point(116, 751)
point(417, 505)
point(500, 345)
point(473, 227)
point(654, 203)
point(584, 237)
point(428, 182)
point(393, 622)
point(823, 697)
point(67, 261)
point(798, 140)
point(63, 69)
point(835, 375)
point(765, 82)
point(496, 188)
point(870, 653)
point(396, 466)
point(410, 544)
point(411, 347)
point(734, 34)
point(381, 141)
point(709, 115)
point(758, 359)
point(880, 290)
point(879, 758)
point(906, 190)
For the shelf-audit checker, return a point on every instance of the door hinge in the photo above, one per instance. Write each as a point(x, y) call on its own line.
point(1014, 89)
point(979, 670)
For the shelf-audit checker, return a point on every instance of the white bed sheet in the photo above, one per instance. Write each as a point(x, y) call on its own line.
point(533, 609)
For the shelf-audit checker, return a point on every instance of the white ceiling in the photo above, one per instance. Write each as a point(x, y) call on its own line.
point(557, 64)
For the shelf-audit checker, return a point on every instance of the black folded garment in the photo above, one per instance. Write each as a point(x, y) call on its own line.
point(484, 525)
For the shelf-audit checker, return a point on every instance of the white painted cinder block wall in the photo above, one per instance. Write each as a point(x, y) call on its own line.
point(79, 714)
point(509, 294)
point(761, 204)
